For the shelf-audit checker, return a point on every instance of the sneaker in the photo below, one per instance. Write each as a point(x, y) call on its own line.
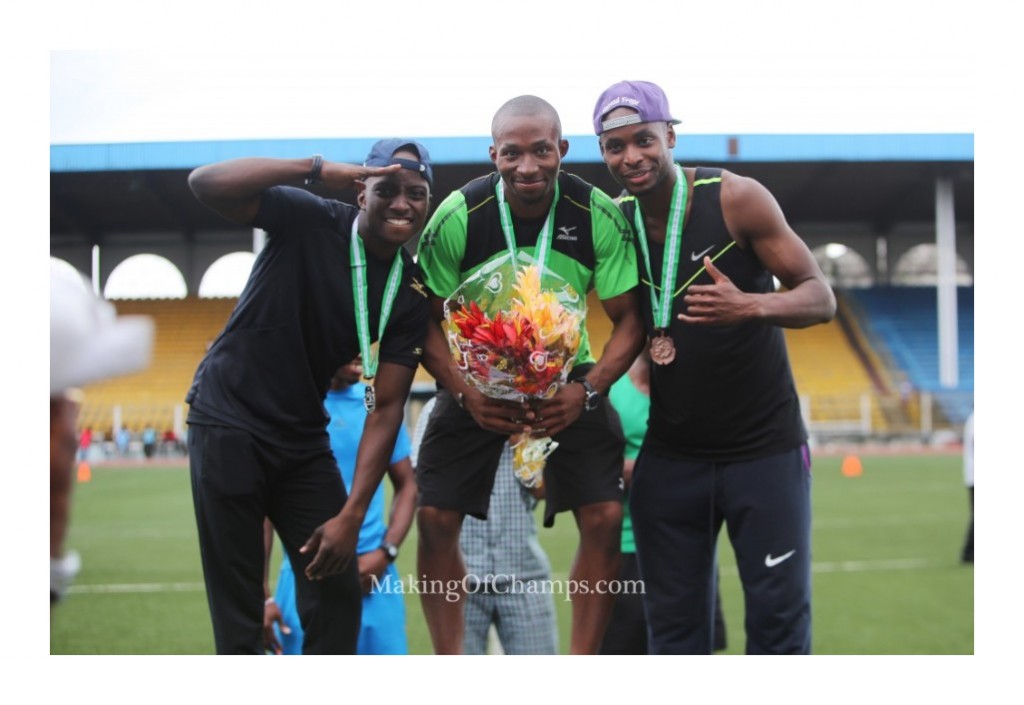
point(62, 571)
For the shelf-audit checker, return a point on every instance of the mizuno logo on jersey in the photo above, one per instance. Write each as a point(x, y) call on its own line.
point(565, 233)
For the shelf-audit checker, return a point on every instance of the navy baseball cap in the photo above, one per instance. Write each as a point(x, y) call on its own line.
point(646, 98)
point(382, 153)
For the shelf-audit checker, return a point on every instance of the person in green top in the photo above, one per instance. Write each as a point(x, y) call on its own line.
point(627, 630)
point(530, 206)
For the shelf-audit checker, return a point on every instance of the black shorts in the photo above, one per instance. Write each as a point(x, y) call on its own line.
point(458, 461)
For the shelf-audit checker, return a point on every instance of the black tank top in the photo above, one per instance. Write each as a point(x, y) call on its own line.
point(729, 394)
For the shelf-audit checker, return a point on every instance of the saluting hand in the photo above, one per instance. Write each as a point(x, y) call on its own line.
point(720, 303)
point(339, 175)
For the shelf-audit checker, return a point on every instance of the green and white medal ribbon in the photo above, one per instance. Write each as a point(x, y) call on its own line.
point(360, 290)
point(543, 240)
point(663, 350)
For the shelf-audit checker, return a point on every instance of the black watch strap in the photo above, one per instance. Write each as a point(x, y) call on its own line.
point(593, 398)
point(390, 550)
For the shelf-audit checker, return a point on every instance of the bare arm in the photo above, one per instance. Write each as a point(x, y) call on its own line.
point(403, 506)
point(233, 188)
point(334, 542)
point(63, 447)
point(755, 220)
point(436, 356)
point(627, 471)
point(403, 503)
point(626, 342)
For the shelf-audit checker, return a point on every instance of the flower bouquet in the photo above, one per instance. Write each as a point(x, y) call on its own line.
point(514, 331)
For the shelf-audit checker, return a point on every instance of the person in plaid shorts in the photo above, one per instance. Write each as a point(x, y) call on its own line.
point(505, 567)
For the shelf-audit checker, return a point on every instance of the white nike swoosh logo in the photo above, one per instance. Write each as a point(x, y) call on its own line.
point(694, 257)
point(772, 562)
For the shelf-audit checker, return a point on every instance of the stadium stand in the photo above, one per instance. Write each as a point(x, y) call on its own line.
point(832, 381)
point(150, 398)
point(902, 323)
point(848, 372)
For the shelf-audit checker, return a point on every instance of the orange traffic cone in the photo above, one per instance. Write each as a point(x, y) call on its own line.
point(852, 466)
point(84, 472)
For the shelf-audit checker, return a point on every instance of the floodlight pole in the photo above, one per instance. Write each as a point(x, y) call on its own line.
point(945, 241)
point(96, 270)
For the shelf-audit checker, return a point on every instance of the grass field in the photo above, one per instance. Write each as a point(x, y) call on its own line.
point(887, 579)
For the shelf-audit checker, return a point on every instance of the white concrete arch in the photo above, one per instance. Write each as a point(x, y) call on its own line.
point(63, 263)
point(145, 276)
point(227, 276)
point(843, 266)
point(918, 266)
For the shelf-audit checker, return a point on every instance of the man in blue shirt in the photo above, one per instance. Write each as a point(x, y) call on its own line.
point(382, 629)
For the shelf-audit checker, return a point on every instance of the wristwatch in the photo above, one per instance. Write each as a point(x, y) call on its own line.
point(390, 550)
point(313, 177)
point(593, 399)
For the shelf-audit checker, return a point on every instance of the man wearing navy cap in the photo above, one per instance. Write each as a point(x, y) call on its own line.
point(725, 440)
point(333, 279)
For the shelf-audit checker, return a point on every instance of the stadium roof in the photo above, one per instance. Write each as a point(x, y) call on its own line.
point(883, 180)
point(462, 150)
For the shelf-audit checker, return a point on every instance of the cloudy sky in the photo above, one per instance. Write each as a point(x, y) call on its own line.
point(735, 71)
point(783, 67)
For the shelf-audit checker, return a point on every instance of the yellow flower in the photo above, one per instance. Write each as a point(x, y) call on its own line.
point(554, 326)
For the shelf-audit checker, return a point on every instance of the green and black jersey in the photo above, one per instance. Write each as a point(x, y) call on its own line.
point(591, 248)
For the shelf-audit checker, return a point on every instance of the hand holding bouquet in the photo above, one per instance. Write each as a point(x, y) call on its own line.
point(514, 331)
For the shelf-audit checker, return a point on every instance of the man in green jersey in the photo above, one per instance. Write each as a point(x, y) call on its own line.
point(589, 244)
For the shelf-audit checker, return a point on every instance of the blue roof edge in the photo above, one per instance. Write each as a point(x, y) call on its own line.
point(469, 150)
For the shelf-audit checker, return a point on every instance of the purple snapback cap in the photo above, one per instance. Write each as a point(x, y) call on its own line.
point(646, 98)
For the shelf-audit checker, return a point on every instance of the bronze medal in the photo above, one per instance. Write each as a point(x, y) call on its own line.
point(663, 350)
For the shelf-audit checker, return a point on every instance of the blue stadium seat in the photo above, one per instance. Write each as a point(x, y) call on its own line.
point(905, 321)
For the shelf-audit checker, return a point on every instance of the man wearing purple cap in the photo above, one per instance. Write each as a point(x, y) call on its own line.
point(725, 441)
point(333, 279)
